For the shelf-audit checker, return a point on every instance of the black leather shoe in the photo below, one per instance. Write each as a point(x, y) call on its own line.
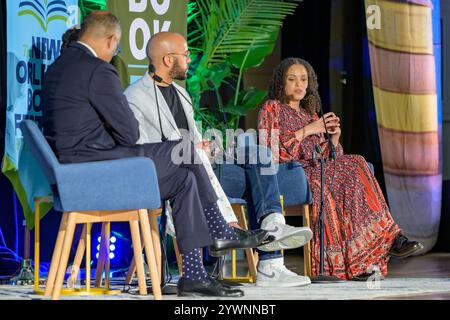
point(217, 253)
point(263, 234)
point(246, 239)
point(366, 276)
point(211, 288)
point(403, 247)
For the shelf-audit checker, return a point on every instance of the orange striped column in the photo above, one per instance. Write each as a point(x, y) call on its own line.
point(404, 87)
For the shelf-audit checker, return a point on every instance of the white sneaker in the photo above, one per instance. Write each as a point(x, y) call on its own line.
point(286, 237)
point(273, 273)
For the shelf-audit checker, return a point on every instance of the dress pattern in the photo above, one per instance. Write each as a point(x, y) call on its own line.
point(359, 229)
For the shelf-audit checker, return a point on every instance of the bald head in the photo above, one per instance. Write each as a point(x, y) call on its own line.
point(163, 43)
point(169, 54)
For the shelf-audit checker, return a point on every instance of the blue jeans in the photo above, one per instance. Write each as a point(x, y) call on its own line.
point(261, 187)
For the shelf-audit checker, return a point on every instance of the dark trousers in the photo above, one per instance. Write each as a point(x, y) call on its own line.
point(185, 185)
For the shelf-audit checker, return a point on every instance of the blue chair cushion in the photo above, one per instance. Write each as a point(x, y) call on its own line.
point(232, 179)
point(123, 184)
point(293, 184)
point(237, 201)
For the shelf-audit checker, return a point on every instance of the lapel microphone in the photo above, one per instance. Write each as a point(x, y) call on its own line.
point(156, 78)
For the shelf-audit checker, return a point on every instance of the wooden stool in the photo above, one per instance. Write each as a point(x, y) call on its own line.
point(83, 244)
point(302, 211)
point(65, 237)
point(154, 214)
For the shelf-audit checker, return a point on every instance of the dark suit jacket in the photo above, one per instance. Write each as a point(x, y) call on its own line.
point(86, 115)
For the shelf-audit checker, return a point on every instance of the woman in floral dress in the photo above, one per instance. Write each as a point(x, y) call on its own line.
point(360, 233)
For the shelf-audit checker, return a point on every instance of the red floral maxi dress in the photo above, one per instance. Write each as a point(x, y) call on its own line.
point(359, 229)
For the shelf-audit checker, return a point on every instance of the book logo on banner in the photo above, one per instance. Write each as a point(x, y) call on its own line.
point(45, 48)
point(44, 11)
point(140, 19)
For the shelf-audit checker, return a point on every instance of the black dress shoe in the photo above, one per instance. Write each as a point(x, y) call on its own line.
point(246, 239)
point(211, 288)
point(261, 235)
point(403, 247)
point(366, 276)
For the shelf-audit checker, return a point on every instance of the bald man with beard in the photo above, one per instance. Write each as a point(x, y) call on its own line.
point(165, 112)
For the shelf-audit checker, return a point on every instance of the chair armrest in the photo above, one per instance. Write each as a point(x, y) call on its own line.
point(129, 183)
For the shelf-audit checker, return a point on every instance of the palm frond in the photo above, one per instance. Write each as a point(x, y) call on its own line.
point(234, 26)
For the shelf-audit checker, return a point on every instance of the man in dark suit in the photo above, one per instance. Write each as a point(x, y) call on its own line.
point(87, 118)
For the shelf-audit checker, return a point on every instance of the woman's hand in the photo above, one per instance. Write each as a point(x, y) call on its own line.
point(318, 126)
point(335, 133)
point(206, 146)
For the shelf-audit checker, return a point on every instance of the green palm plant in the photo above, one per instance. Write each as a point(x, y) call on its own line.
point(87, 6)
point(225, 39)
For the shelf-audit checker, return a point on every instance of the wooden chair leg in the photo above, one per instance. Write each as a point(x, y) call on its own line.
point(37, 217)
point(307, 247)
point(101, 261)
point(78, 257)
point(135, 236)
point(108, 260)
point(150, 254)
point(88, 256)
point(248, 252)
point(155, 237)
point(131, 271)
point(132, 267)
point(71, 223)
point(178, 256)
point(157, 248)
point(56, 257)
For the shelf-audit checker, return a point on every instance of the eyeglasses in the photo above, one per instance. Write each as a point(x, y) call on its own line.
point(186, 54)
point(119, 48)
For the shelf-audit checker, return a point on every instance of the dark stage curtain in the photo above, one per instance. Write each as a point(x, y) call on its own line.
point(308, 34)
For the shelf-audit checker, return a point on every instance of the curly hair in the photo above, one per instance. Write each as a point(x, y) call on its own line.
point(311, 102)
point(73, 34)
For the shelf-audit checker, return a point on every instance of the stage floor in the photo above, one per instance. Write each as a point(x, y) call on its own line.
point(424, 277)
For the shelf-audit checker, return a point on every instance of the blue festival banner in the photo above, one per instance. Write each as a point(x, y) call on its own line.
point(34, 32)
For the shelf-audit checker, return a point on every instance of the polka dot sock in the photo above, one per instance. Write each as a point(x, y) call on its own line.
point(193, 268)
point(218, 227)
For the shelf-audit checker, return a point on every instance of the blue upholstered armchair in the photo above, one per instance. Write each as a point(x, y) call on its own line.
point(101, 191)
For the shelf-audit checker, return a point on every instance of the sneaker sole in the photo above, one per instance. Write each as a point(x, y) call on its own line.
point(282, 285)
point(290, 242)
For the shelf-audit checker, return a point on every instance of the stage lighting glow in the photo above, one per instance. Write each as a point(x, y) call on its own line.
point(113, 239)
point(99, 239)
point(97, 254)
point(112, 247)
point(111, 255)
point(98, 247)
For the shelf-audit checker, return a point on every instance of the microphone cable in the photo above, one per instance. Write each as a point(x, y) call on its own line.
point(151, 69)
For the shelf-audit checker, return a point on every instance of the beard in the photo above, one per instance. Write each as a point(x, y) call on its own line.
point(177, 72)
